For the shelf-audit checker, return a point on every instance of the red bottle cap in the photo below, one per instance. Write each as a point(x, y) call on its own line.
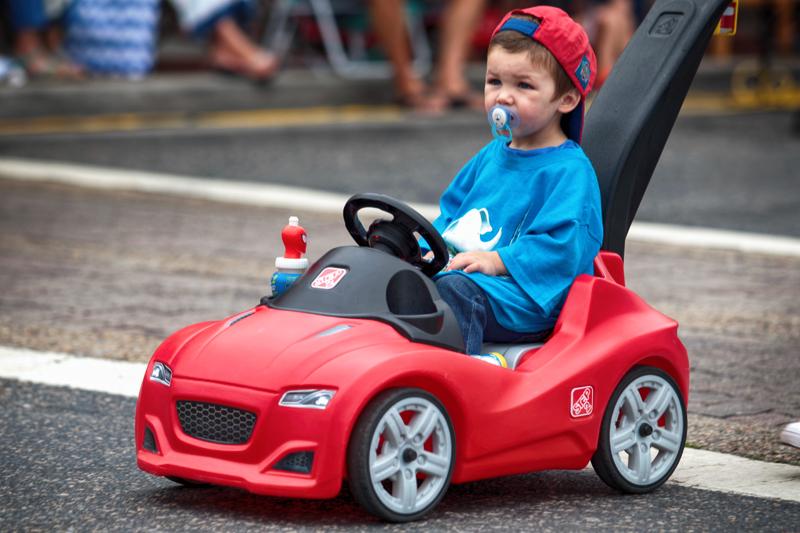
point(294, 241)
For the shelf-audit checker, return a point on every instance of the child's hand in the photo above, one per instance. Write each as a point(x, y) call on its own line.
point(487, 262)
point(428, 257)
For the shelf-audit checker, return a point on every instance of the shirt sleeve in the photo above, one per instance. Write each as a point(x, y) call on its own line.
point(555, 245)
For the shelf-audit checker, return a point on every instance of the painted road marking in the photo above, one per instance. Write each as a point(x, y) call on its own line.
point(212, 120)
point(285, 197)
point(730, 473)
point(709, 238)
point(699, 469)
point(694, 105)
point(63, 370)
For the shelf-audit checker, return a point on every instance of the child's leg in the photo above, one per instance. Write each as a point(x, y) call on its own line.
point(474, 314)
point(469, 305)
point(494, 332)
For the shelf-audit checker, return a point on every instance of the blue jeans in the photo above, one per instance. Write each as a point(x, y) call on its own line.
point(27, 14)
point(474, 314)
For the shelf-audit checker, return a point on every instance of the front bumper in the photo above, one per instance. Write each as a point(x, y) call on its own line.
point(278, 432)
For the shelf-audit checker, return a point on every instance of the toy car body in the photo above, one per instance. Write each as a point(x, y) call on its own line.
point(224, 417)
point(357, 372)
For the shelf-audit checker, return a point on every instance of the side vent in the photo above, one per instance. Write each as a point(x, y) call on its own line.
point(149, 442)
point(299, 462)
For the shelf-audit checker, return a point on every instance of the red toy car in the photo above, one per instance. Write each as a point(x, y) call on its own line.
point(357, 372)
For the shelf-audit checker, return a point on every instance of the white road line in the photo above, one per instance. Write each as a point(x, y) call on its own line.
point(696, 237)
point(721, 472)
point(698, 468)
point(208, 189)
point(64, 370)
point(285, 197)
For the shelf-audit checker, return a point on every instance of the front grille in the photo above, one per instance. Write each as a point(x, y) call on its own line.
point(215, 423)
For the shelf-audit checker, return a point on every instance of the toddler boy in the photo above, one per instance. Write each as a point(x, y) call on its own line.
point(522, 219)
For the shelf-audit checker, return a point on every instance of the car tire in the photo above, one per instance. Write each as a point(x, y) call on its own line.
point(401, 455)
point(642, 436)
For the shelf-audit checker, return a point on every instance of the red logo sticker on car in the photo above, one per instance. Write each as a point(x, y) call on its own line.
point(328, 278)
point(582, 401)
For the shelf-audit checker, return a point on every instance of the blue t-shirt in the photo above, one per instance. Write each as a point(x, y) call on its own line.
point(540, 211)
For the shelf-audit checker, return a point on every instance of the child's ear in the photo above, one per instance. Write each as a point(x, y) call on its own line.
point(569, 101)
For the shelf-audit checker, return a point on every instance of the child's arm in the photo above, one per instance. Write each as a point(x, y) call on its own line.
point(489, 263)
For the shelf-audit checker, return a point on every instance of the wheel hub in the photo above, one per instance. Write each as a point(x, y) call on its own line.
point(645, 430)
point(409, 455)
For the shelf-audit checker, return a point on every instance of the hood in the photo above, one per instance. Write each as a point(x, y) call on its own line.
point(269, 349)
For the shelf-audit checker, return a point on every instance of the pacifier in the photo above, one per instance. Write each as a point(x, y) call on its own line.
point(502, 120)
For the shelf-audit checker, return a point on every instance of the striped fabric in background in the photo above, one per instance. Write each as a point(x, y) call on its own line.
point(113, 37)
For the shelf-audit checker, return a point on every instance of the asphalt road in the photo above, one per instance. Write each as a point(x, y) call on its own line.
point(112, 274)
point(724, 169)
point(69, 464)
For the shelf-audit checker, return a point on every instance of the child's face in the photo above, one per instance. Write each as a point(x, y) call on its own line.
point(529, 90)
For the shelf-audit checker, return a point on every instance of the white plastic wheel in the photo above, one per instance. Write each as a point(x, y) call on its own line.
point(401, 455)
point(643, 432)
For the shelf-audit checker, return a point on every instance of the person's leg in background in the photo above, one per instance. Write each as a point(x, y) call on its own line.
point(230, 48)
point(389, 21)
point(36, 43)
point(615, 26)
point(459, 21)
point(28, 18)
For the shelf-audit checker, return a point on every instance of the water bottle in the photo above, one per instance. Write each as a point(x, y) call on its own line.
point(11, 73)
point(292, 265)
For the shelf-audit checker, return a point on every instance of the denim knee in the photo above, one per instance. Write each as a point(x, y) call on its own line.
point(456, 290)
point(455, 285)
point(469, 306)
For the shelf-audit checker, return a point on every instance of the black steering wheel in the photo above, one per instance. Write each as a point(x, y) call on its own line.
point(395, 236)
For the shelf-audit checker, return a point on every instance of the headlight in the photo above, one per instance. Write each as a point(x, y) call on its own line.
point(313, 399)
point(161, 373)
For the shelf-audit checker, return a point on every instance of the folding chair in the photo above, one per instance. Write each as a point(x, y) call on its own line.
point(345, 61)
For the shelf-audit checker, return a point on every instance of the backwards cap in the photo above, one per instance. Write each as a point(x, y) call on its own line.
point(567, 41)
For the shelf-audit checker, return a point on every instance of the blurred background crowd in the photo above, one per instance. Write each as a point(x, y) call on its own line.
point(422, 45)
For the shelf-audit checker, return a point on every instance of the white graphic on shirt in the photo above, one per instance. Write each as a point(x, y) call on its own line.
point(464, 234)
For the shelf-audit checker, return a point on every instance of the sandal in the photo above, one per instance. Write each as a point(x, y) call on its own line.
point(68, 68)
point(41, 65)
point(261, 69)
point(467, 99)
point(423, 102)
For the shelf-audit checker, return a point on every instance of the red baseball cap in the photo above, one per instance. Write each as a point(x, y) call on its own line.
point(569, 44)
